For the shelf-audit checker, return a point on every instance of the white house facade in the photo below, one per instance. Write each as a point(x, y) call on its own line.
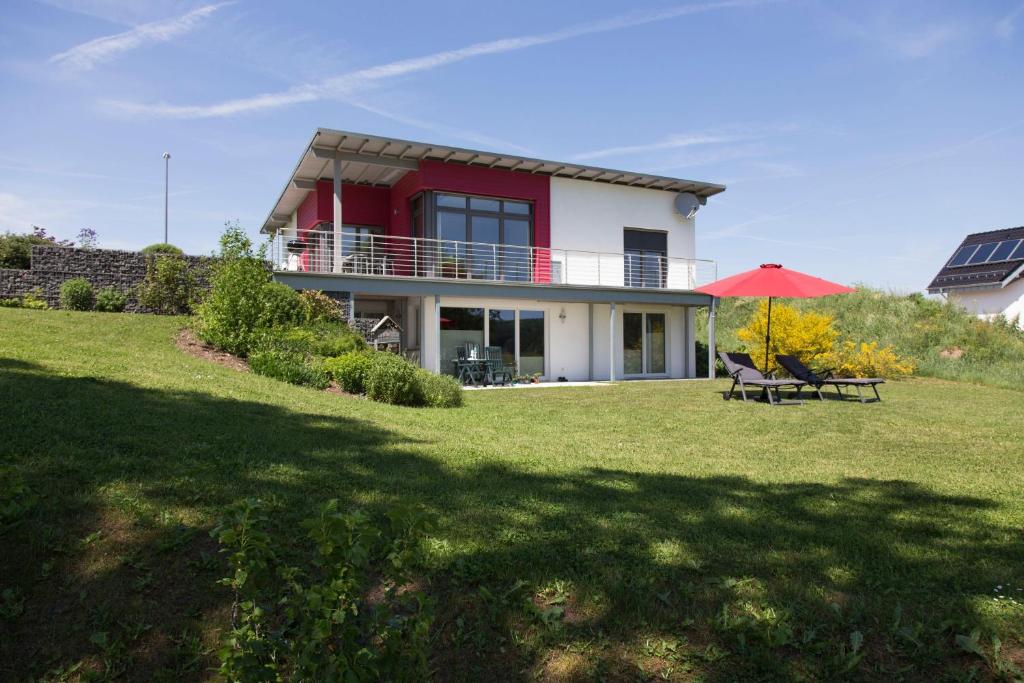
point(985, 275)
point(575, 272)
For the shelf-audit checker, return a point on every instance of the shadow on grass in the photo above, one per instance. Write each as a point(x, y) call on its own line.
point(753, 579)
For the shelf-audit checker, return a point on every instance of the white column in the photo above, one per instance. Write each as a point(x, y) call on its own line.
point(611, 343)
point(337, 215)
point(590, 342)
point(437, 337)
point(711, 338)
point(691, 345)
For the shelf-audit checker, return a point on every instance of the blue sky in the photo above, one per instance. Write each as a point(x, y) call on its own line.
point(860, 141)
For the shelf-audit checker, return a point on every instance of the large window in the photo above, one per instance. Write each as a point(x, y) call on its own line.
point(519, 333)
point(646, 256)
point(499, 230)
point(361, 248)
point(643, 344)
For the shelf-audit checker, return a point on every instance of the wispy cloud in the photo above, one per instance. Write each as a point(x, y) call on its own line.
point(89, 55)
point(355, 82)
point(676, 141)
point(924, 41)
point(1007, 26)
point(457, 133)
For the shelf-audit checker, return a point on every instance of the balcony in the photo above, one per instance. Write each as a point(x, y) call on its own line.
point(387, 256)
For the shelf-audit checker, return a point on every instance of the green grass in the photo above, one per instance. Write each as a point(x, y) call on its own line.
point(630, 532)
point(917, 327)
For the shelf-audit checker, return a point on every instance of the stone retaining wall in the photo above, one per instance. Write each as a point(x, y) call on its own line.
point(52, 266)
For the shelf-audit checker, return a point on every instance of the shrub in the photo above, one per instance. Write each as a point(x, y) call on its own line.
point(242, 302)
point(318, 339)
point(16, 250)
point(162, 248)
point(438, 391)
point(808, 336)
point(35, 301)
point(10, 303)
point(320, 307)
point(392, 379)
point(867, 360)
point(76, 295)
point(349, 370)
point(170, 286)
point(111, 300)
point(286, 366)
point(340, 610)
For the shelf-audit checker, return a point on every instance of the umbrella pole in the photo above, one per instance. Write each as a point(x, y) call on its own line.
point(768, 335)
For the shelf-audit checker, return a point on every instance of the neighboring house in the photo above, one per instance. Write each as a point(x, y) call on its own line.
point(574, 271)
point(985, 275)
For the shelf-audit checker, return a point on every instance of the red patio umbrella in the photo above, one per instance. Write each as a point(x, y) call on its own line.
point(772, 280)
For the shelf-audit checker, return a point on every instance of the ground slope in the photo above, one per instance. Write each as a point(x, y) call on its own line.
point(620, 531)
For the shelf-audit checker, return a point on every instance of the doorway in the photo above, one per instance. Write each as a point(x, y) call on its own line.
point(643, 345)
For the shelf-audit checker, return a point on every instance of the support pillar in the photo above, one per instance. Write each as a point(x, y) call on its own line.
point(437, 334)
point(611, 343)
point(337, 250)
point(711, 338)
point(590, 342)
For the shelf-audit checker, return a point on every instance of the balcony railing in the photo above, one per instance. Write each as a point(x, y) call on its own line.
point(414, 257)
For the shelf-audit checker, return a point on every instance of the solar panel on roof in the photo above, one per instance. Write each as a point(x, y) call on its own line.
point(1003, 251)
point(1018, 252)
point(982, 254)
point(962, 255)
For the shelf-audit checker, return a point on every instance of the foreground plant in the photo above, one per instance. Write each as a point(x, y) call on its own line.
point(345, 611)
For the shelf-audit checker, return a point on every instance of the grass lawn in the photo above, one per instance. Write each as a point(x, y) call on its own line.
point(631, 532)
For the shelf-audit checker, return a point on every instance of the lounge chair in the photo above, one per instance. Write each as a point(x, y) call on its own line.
point(743, 372)
point(820, 378)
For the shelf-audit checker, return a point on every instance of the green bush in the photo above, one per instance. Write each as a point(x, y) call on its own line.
point(242, 302)
point(110, 300)
point(286, 366)
point(10, 303)
point(323, 615)
point(320, 307)
point(16, 250)
point(162, 248)
point(317, 339)
point(438, 391)
point(392, 379)
point(349, 370)
point(76, 295)
point(170, 286)
point(34, 300)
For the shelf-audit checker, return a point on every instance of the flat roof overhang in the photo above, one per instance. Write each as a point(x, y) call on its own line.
point(381, 162)
point(409, 286)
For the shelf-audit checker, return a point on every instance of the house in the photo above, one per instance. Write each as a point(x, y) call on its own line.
point(985, 275)
point(575, 271)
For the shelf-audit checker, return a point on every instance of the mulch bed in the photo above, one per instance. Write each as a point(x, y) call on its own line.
point(192, 345)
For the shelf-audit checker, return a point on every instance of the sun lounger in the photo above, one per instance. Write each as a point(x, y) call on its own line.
point(821, 378)
point(744, 373)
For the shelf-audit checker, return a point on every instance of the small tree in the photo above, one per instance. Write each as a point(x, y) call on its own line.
point(170, 286)
point(87, 238)
point(77, 295)
point(16, 250)
point(162, 248)
point(808, 336)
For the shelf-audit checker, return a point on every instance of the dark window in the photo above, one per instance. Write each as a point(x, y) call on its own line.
point(646, 257)
point(499, 231)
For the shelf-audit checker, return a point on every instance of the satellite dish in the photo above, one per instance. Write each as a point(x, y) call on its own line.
point(687, 204)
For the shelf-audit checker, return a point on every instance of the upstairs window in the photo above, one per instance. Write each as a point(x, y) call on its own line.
point(646, 257)
point(485, 237)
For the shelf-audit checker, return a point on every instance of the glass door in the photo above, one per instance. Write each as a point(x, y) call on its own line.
point(643, 344)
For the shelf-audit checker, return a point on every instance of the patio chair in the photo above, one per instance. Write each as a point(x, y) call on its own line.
point(819, 378)
point(744, 373)
point(467, 370)
point(497, 370)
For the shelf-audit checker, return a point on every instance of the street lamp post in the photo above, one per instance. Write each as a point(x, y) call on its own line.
point(167, 172)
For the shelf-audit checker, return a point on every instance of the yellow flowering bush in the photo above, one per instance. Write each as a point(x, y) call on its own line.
point(867, 360)
point(808, 336)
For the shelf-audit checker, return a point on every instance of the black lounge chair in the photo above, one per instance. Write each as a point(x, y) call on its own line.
point(743, 372)
point(820, 378)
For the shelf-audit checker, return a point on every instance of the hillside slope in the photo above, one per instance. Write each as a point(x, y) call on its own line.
point(942, 339)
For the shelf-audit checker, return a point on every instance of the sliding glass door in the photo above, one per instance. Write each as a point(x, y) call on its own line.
point(643, 344)
point(520, 334)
